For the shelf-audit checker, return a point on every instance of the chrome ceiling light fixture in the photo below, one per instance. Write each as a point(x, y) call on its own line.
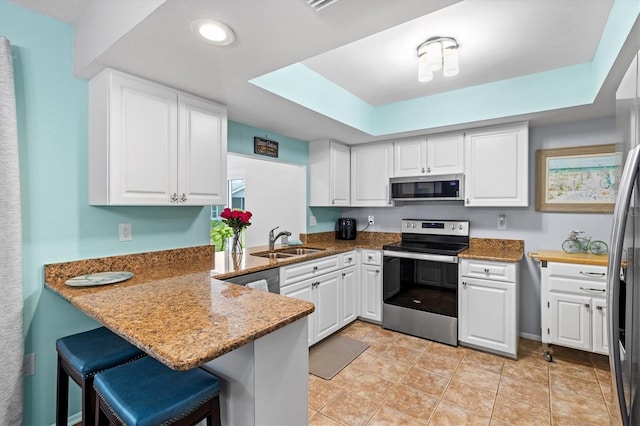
point(438, 53)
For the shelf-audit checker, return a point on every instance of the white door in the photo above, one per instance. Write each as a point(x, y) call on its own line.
point(143, 155)
point(488, 314)
point(599, 323)
point(445, 154)
point(571, 320)
point(410, 157)
point(340, 175)
point(350, 296)
point(328, 294)
point(371, 294)
point(496, 167)
point(371, 166)
point(303, 291)
point(202, 152)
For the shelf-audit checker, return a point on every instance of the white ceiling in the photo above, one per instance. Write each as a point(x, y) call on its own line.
point(365, 46)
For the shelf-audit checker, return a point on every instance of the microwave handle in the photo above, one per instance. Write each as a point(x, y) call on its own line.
point(388, 189)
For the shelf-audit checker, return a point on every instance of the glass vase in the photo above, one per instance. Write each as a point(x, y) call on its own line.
point(236, 241)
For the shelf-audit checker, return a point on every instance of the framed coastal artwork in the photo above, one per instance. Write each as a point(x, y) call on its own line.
point(578, 180)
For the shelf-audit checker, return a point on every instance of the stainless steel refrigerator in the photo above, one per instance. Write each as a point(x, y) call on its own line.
point(623, 274)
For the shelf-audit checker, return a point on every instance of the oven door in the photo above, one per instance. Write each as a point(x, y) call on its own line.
point(424, 282)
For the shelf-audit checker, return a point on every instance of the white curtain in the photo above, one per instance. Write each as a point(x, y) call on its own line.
point(11, 323)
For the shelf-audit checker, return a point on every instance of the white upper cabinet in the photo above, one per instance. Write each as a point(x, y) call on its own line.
point(410, 157)
point(152, 145)
point(429, 156)
point(329, 171)
point(445, 154)
point(371, 167)
point(496, 166)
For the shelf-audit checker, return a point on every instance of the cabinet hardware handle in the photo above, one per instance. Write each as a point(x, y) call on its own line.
point(348, 260)
point(593, 274)
point(464, 283)
point(428, 169)
point(423, 170)
point(174, 198)
point(343, 275)
point(486, 270)
point(370, 258)
point(315, 268)
point(586, 305)
point(599, 308)
point(184, 197)
point(377, 271)
point(599, 290)
point(333, 201)
point(467, 201)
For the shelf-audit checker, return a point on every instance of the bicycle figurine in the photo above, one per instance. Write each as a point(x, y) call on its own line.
point(576, 243)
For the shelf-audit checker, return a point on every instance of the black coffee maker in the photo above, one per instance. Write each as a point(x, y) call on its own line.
point(346, 228)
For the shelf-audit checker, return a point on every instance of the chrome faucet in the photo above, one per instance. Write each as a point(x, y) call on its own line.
point(272, 239)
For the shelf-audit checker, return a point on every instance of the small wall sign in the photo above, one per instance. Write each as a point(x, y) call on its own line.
point(265, 147)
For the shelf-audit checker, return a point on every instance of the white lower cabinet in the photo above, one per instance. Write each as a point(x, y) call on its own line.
point(371, 270)
point(573, 306)
point(335, 294)
point(488, 306)
point(350, 295)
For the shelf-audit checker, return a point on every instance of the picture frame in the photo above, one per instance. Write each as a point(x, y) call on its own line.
point(577, 180)
point(266, 147)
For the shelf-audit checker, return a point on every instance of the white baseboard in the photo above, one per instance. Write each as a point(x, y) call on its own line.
point(535, 337)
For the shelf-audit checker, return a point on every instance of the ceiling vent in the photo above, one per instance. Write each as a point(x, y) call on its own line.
point(318, 5)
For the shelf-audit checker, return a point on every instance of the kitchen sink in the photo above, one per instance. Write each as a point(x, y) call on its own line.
point(272, 255)
point(300, 251)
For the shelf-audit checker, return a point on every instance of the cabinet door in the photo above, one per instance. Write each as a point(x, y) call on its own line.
point(571, 320)
point(371, 293)
point(350, 295)
point(328, 295)
point(371, 166)
point(445, 154)
point(487, 314)
point(202, 152)
point(599, 323)
point(143, 132)
point(303, 291)
point(496, 167)
point(410, 157)
point(339, 175)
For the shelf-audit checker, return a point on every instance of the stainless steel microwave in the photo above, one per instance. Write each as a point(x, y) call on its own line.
point(426, 188)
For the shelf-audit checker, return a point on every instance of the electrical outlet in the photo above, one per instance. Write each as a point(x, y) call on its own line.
point(371, 221)
point(29, 364)
point(126, 232)
point(502, 221)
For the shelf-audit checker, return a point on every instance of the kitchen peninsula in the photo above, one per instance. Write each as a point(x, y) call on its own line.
point(174, 311)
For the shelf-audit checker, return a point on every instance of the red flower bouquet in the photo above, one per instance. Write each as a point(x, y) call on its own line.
point(237, 220)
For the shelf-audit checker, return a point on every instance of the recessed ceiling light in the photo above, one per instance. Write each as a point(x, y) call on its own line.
point(213, 32)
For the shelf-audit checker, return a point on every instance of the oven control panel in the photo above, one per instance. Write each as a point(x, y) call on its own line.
point(435, 227)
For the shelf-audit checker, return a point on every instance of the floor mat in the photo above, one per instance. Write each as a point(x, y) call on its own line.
point(328, 357)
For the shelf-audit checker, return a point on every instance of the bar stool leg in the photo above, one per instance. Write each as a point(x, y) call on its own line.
point(62, 396)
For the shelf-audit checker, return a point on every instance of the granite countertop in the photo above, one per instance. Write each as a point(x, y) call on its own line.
point(563, 257)
point(228, 265)
point(172, 309)
point(496, 250)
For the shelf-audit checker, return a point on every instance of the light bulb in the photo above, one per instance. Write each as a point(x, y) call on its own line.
point(451, 65)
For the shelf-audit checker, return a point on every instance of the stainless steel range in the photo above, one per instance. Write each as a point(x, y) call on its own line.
point(420, 279)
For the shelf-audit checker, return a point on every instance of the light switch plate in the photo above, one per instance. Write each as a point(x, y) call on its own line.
point(125, 232)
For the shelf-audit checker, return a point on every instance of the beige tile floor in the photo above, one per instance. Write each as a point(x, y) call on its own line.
point(403, 380)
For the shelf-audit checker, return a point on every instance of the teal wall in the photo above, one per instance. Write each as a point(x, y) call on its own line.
point(240, 141)
point(58, 223)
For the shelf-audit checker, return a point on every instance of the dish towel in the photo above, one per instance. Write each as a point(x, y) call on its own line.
point(259, 285)
point(11, 324)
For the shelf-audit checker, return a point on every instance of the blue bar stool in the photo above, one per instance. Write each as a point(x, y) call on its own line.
point(80, 357)
point(147, 393)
